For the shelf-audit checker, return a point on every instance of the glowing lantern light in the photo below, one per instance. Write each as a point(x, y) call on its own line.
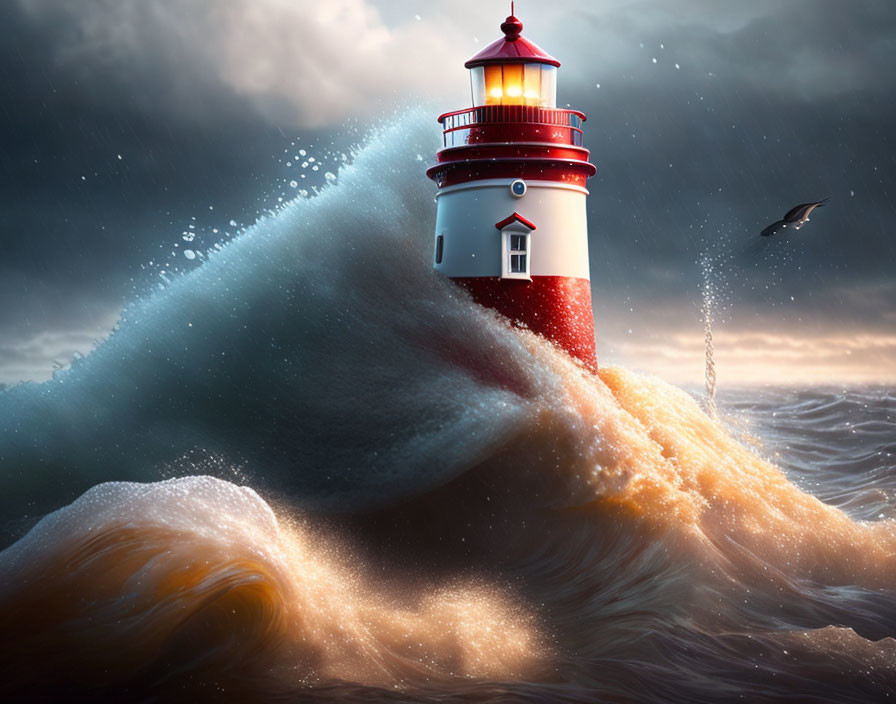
point(514, 71)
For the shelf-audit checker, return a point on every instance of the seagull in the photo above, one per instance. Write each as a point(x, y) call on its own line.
point(795, 218)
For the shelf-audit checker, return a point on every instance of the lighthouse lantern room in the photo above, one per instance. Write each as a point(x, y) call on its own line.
point(511, 226)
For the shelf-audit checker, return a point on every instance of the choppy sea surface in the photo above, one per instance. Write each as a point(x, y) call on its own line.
point(838, 444)
point(311, 470)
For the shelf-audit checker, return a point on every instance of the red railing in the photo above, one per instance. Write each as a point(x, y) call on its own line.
point(491, 123)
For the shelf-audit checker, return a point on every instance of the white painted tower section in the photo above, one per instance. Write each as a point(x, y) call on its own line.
point(472, 246)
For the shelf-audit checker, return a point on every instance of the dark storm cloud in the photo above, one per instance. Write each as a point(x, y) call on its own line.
point(94, 182)
point(303, 63)
point(770, 104)
point(803, 49)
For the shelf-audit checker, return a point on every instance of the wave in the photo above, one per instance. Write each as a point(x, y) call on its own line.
point(281, 352)
point(453, 508)
point(162, 588)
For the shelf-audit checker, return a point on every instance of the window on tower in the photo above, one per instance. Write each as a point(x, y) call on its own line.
point(518, 258)
point(516, 247)
point(516, 253)
point(440, 248)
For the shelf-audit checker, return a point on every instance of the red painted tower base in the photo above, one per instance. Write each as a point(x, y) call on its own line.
point(556, 307)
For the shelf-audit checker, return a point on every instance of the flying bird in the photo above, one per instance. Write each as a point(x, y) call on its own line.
point(795, 218)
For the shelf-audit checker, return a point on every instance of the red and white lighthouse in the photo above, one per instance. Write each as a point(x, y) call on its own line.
point(511, 226)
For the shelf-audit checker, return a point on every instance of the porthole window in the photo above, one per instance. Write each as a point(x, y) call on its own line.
point(518, 188)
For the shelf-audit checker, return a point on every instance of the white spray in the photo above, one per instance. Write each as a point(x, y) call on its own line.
point(710, 297)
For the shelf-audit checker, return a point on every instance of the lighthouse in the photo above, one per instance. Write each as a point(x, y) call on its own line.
point(511, 226)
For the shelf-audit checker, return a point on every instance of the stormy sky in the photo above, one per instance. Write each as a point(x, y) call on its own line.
point(124, 123)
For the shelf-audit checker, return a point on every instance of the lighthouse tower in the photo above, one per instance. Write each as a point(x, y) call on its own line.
point(511, 225)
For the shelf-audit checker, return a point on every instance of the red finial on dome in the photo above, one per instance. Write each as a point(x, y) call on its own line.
point(512, 28)
point(512, 47)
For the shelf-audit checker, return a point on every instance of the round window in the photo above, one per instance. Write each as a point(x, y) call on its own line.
point(518, 188)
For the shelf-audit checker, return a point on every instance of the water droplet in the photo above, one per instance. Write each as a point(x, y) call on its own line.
point(189, 254)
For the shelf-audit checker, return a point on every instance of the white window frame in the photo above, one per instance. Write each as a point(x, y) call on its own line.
point(515, 228)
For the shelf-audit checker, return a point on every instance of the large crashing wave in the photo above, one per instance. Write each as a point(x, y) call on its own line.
point(319, 347)
point(141, 591)
point(622, 544)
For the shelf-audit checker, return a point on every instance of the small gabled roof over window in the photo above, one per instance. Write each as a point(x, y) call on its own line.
point(516, 217)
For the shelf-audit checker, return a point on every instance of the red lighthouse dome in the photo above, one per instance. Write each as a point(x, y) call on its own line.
point(511, 226)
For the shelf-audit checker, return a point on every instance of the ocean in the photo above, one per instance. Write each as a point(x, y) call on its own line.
point(311, 470)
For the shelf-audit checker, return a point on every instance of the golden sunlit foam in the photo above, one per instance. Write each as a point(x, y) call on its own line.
point(199, 575)
point(202, 576)
point(654, 450)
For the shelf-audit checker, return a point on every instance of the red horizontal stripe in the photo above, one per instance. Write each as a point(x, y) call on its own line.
point(513, 151)
point(575, 173)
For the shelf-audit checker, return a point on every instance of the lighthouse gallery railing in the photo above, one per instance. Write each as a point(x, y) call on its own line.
point(490, 123)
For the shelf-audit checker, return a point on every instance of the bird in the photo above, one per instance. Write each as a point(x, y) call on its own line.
point(795, 217)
